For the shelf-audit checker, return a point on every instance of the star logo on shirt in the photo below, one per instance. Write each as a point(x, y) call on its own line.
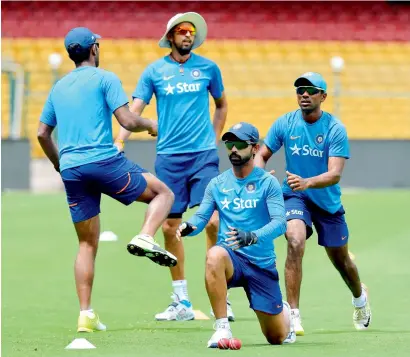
point(225, 203)
point(295, 150)
point(287, 213)
point(169, 89)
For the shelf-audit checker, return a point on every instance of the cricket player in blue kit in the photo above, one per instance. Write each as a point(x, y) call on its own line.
point(81, 104)
point(187, 156)
point(252, 214)
point(316, 148)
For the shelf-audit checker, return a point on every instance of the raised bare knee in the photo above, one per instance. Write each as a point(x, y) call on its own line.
point(214, 259)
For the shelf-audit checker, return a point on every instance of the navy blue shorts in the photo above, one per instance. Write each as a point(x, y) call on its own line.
point(261, 285)
point(331, 228)
point(116, 177)
point(187, 175)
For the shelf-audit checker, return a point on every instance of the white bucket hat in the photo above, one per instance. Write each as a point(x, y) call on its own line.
point(194, 18)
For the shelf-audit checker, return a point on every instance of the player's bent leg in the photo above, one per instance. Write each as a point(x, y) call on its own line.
point(160, 199)
point(218, 270)
point(88, 232)
point(211, 231)
point(342, 261)
point(296, 236)
point(278, 328)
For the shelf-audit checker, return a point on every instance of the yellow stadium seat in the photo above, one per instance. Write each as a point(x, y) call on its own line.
point(258, 78)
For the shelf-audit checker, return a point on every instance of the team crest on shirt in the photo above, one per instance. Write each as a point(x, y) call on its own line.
point(319, 139)
point(195, 73)
point(250, 187)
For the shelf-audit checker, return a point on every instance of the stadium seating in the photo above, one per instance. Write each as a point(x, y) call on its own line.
point(258, 73)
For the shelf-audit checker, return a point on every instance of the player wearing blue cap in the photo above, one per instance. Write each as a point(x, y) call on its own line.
point(187, 157)
point(252, 214)
point(316, 148)
point(81, 104)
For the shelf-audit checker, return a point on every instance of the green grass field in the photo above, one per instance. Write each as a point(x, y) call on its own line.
point(40, 309)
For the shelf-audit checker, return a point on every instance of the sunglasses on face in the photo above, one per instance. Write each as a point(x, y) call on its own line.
point(309, 90)
point(183, 30)
point(240, 145)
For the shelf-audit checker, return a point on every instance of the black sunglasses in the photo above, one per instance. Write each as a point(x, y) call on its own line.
point(240, 145)
point(309, 90)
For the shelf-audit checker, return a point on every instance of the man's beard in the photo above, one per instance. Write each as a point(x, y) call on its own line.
point(236, 160)
point(183, 51)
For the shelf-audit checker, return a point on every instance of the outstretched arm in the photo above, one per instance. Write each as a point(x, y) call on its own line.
point(199, 220)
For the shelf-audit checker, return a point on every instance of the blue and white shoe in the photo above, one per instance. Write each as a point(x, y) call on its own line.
point(177, 311)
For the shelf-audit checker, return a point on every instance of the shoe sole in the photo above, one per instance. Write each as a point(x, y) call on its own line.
point(84, 329)
point(193, 318)
point(154, 252)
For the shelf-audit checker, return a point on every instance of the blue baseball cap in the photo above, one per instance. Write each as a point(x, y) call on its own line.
point(311, 79)
point(81, 35)
point(243, 131)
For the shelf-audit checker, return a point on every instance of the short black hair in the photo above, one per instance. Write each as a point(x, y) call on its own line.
point(78, 54)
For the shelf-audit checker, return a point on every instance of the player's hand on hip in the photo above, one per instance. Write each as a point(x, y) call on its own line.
point(184, 229)
point(238, 238)
point(153, 130)
point(296, 183)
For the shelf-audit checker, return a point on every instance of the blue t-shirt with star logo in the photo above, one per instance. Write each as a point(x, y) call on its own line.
point(252, 204)
point(307, 151)
point(182, 94)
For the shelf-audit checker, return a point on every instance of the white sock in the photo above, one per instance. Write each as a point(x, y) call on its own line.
point(295, 312)
point(181, 289)
point(222, 323)
point(88, 312)
point(361, 300)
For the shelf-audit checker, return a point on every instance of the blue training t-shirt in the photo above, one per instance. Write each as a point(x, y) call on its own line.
point(253, 204)
point(182, 93)
point(81, 104)
point(307, 150)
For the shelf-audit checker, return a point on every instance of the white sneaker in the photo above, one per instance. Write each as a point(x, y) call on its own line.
point(177, 311)
point(362, 315)
point(291, 338)
point(143, 245)
point(297, 322)
point(229, 311)
point(222, 331)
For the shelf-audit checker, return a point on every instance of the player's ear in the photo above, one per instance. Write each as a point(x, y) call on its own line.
point(324, 96)
point(255, 149)
point(170, 36)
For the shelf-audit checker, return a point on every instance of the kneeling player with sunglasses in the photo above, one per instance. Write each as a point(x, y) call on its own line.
point(252, 214)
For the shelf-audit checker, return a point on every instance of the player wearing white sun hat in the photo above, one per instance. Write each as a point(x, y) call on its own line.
point(187, 157)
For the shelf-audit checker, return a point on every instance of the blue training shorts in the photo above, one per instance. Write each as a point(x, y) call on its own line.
point(116, 177)
point(331, 228)
point(187, 175)
point(261, 285)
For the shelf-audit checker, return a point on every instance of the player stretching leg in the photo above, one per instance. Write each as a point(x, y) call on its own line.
point(316, 148)
point(82, 104)
point(252, 213)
